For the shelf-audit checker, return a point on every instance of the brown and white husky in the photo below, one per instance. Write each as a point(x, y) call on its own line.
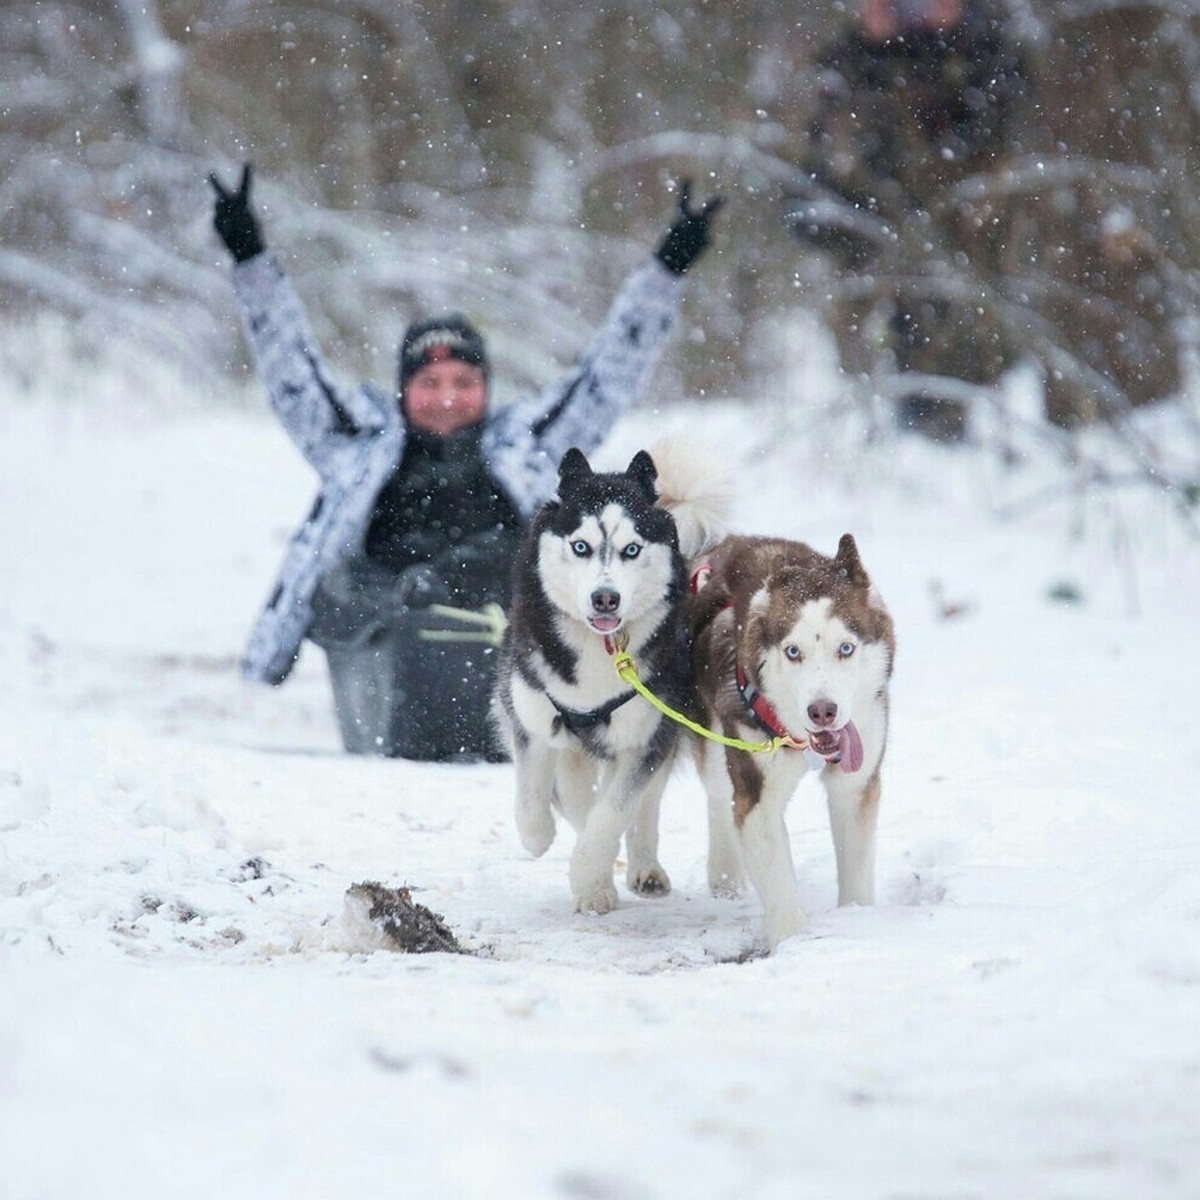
point(789, 644)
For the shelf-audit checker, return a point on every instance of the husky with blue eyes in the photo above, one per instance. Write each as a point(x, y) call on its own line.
point(600, 573)
point(795, 649)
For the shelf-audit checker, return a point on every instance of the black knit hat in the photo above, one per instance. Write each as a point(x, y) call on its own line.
point(449, 336)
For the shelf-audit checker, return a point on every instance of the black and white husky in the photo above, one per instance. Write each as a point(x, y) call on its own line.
point(601, 571)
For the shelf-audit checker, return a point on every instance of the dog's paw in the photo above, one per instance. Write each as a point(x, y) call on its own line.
point(536, 830)
point(726, 886)
point(599, 900)
point(648, 881)
point(538, 840)
point(780, 926)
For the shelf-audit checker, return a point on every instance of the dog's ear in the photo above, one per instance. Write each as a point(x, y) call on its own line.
point(848, 562)
point(644, 473)
point(574, 468)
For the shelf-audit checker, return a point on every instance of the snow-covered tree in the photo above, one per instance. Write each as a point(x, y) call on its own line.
point(512, 157)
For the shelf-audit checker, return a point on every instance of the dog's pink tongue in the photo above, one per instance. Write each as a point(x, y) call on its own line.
point(605, 624)
point(850, 747)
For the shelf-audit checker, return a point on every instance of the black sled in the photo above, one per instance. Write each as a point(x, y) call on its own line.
point(412, 677)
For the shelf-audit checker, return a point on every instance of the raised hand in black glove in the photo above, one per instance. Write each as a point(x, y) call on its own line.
point(687, 239)
point(233, 220)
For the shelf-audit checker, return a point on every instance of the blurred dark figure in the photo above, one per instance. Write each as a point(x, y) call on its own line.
point(1107, 240)
point(916, 97)
point(984, 203)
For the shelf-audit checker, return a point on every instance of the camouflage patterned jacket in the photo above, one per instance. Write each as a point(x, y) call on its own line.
point(354, 437)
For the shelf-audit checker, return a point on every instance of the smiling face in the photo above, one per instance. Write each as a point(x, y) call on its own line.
point(445, 395)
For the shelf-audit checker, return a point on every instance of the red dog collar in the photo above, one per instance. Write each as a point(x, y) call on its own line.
point(763, 711)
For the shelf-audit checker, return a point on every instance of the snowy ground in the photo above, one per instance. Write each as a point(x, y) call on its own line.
point(188, 1009)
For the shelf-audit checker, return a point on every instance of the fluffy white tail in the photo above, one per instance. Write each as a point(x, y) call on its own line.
point(695, 485)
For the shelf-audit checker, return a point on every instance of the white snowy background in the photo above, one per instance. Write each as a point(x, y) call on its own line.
point(188, 1008)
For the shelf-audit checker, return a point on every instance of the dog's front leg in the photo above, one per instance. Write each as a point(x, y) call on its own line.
point(853, 815)
point(576, 785)
point(726, 873)
point(595, 853)
point(760, 800)
point(534, 761)
point(645, 875)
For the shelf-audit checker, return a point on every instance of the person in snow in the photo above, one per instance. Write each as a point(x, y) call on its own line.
point(400, 572)
point(916, 97)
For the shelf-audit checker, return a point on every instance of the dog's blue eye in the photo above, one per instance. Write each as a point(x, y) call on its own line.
point(793, 652)
point(581, 548)
point(631, 551)
point(846, 649)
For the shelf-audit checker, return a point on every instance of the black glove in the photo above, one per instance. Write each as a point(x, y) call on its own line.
point(419, 586)
point(233, 220)
point(479, 568)
point(687, 239)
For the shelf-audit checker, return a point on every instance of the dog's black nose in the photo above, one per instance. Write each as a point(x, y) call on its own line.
point(822, 714)
point(606, 600)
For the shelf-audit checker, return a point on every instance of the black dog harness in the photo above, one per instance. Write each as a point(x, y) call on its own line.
point(578, 723)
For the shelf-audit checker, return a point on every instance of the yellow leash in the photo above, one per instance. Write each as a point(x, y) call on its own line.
point(490, 623)
point(627, 670)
